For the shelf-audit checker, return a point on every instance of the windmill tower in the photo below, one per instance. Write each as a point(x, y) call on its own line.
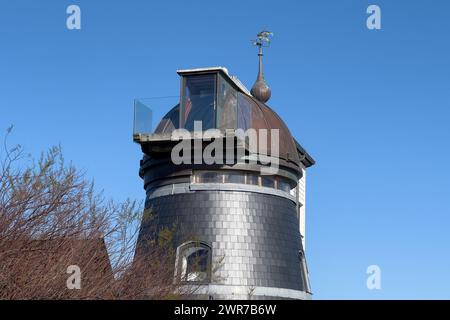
point(239, 209)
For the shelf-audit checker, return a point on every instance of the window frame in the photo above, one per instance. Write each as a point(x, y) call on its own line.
point(222, 177)
point(270, 179)
point(179, 262)
point(182, 121)
point(221, 80)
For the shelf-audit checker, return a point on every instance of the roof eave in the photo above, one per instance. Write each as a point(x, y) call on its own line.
point(307, 160)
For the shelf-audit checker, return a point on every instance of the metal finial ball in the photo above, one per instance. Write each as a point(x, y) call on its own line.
point(261, 91)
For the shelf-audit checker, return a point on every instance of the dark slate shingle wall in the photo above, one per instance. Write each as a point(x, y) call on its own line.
point(257, 234)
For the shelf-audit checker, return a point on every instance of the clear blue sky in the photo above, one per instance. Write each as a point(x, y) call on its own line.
point(372, 107)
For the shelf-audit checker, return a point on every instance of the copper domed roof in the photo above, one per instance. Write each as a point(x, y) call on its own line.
point(271, 120)
point(250, 113)
point(234, 108)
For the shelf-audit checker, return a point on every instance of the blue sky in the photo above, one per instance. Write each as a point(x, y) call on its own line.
point(372, 107)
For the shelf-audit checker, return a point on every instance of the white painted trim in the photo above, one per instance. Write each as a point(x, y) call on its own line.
point(250, 291)
point(233, 79)
point(241, 187)
point(225, 70)
point(192, 187)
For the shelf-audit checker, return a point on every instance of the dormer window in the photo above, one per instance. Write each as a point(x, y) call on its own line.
point(198, 101)
point(211, 97)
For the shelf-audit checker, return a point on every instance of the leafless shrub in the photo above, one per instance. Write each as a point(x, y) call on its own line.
point(51, 218)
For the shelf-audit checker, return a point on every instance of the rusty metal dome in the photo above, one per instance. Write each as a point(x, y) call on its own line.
point(251, 113)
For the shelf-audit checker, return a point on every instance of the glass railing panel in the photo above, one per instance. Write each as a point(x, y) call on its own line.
point(155, 115)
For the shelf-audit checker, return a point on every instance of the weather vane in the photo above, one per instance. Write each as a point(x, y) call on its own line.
point(263, 39)
point(260, 89)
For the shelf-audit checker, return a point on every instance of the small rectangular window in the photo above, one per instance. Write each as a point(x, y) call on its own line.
point(267, 181)
point(252, 179)
point(283, 185)
point(234, 177)
point(208, 177)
